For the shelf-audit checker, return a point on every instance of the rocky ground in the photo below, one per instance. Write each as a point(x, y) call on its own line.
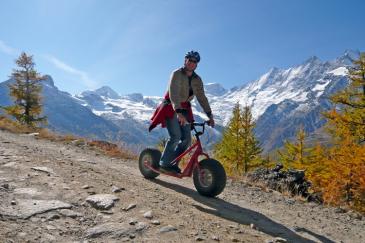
point(53, 192)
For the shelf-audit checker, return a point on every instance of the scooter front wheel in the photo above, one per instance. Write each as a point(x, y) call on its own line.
point(149, 157)
point(209, 177)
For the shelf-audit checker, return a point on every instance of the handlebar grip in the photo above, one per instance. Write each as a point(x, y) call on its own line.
point(200, 123)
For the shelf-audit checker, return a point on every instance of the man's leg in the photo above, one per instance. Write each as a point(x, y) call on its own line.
point(173, 128)
point(185, 140)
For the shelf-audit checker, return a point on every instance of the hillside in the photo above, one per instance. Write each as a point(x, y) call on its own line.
point(44, 189)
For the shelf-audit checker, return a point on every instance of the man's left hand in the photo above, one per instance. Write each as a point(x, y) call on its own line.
point(211, 122)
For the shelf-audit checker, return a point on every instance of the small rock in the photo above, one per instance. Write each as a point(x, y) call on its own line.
point(70, 213)
point(129, 207)
point(53, 217)
point(280, 240)
point(102, 201)
point(43, 169)
point(253, 226)
point(168, 228)
point(355, 215)
point(5, 186)
point(116, 189)
point(290, 201)
point(85, 187)
point(214, 237)
point(234, 239)
point(199, 238)
point(148, 215)
point(133, 221)
point(106, 212)
point(155, 222)
point(141, 226)
point(340, 210)
point(50, 227)
point(13, 202)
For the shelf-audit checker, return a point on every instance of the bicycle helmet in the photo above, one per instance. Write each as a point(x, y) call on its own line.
point(193, 54)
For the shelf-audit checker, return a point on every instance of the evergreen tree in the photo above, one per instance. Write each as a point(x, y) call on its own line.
point(251, 146)
point(239, 149)
point(26, 92)
point(295, 154)
point(349, 111)
point(345, 158)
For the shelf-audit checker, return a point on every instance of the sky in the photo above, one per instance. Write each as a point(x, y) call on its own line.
point(133, 46)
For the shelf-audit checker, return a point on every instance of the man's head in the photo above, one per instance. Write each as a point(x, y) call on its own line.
point(191, 60)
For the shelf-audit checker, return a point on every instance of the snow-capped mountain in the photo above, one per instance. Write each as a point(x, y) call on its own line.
point(281, 101)
point(65, 114)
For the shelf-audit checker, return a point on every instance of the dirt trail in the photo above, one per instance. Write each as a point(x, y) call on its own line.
point(45, 189)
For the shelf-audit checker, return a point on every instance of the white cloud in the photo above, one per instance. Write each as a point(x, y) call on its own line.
point(7, 49)
point(82, 76)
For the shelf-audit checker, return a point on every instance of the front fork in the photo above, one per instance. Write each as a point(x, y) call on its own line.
point(197, 163)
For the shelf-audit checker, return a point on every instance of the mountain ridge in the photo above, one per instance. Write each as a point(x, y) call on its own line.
point(281, 99)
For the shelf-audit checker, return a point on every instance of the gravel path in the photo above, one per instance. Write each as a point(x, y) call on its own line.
point(54, 192)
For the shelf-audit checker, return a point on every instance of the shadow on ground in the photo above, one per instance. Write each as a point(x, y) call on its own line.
point(235, 213)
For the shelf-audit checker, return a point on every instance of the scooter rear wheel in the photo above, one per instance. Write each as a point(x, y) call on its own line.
point(209, 178)
point(151, 157)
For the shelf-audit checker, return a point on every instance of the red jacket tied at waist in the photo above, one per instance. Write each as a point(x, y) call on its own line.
point(165, 110)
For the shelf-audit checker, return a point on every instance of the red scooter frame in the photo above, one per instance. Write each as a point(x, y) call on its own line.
point(193, 162)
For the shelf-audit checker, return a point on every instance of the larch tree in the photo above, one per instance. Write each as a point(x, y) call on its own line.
point(26, 93)
point(348, 114)
point(239, 150)
point(346, 157)
point(251, 146)
point(295, 154)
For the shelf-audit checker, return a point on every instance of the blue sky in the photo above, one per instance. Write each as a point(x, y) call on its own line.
point(133, 45)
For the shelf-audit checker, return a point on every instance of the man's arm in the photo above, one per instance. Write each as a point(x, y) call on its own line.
point(198, 89)
point(174, 87)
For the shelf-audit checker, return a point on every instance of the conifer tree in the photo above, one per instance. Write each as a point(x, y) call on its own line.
point(295, 154)
point(345, 158)
point(251, 146)
point(349, 111)
point(239, 149)
point(26, 92)
point(227, 151)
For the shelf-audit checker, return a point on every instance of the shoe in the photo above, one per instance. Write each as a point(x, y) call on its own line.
point(172, 168)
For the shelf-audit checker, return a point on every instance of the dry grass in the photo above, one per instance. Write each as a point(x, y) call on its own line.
point(13, 126)
point(112, 149)
point(104, 147)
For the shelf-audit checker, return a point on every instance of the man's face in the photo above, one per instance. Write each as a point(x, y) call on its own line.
point(190, 64)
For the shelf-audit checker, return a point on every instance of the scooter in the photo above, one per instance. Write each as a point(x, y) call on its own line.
point(208, 174)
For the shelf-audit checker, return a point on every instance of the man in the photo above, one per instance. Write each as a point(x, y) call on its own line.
point(175, 112)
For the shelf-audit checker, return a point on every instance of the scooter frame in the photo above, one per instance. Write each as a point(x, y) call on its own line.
point(193, 162)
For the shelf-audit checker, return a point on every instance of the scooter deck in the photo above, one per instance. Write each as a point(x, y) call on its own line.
point(165, 172)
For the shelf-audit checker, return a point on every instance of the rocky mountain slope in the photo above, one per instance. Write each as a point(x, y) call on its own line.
point(54, 192)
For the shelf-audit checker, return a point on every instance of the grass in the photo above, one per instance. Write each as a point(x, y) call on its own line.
point(104, 147)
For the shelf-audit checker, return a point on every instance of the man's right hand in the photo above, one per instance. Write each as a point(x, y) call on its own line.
point(182, 120)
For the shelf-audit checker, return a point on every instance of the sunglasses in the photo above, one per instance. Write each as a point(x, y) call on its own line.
point(192, 60)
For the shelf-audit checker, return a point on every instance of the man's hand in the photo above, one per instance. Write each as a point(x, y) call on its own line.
point(211, 122)
point(181, 118)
